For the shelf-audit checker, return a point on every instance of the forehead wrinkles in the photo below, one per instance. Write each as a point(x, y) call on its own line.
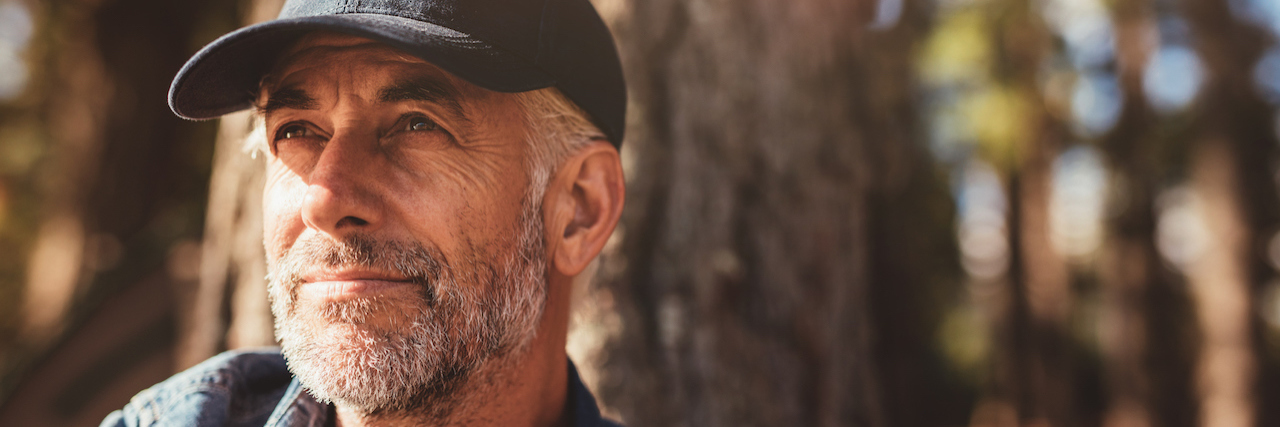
point(316, 49)
point(313, 72)
point(350, 53)
point(363, 72)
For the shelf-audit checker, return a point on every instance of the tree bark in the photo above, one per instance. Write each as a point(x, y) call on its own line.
point(744, 293)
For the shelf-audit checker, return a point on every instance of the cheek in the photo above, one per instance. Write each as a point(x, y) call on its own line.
point(282, 199)
point(442, 196)
point(441, 173)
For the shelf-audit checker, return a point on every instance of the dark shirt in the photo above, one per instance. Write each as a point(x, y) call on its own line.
point(255, 388)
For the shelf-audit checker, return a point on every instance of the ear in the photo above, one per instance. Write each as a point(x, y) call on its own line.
point(582, 206)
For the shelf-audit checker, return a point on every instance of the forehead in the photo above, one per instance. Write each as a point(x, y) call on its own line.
point(324, 68)
point(318, 56)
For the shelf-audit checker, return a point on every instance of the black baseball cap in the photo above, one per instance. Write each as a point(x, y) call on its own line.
point(500, 45)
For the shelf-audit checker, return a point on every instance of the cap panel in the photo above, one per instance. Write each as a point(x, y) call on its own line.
point(511, 29)
point(501, 45)
point(223, 77)
point(587, 69)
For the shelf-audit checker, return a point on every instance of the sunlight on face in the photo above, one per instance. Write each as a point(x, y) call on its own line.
point(404, 248)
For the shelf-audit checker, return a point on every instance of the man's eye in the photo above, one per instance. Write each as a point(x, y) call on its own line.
point(294, 131)
point(421, 123)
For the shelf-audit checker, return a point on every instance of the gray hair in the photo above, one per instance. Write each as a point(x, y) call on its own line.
point(557, 129)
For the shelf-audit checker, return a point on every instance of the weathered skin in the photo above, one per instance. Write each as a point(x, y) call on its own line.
point(449, 175)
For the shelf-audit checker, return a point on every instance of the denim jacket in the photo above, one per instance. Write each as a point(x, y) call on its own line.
point(255, 388)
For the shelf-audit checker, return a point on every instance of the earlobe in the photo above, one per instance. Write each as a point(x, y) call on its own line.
point(589, 205)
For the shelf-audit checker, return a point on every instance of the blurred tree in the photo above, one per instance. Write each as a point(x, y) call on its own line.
point(121, 183)
point(124, 178)
point(987, 64)
point(913, 265)
point(1033, 363)
point(231, 308)
point(767, 131)
point(1144, 349)
point(1233, 173)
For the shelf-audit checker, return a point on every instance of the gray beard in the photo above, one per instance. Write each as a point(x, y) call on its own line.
point(480, 311)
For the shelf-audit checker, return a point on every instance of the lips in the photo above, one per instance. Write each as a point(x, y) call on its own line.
point(350, 284)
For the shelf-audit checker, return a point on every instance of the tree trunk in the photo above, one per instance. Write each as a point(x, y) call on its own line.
point(1034, 364)
point(231, 310)
point(911, 229)
point(1130, 264)
point(54, 273)
point(124, 175)
point(1233, 175)
point(744, 293)
point(1220, 286)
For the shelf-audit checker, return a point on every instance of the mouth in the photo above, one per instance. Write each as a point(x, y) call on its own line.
point(351, 284)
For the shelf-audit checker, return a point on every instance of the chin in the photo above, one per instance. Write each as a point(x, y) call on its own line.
point(385, 350)
point(370, 361)
point(374, 313)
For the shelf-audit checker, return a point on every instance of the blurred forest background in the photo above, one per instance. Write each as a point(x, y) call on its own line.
point(865, 213)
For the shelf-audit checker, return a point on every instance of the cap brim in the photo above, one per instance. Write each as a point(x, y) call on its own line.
point(223, 77)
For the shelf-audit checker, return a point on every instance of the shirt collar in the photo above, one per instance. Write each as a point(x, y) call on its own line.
point(584, 409)
point(298, 409)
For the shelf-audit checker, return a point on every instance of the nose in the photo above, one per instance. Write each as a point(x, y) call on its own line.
point(340, 197)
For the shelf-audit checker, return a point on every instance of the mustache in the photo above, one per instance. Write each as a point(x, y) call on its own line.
point(422, 265)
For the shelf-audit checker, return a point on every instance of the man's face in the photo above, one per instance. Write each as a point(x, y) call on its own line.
point(403, 249)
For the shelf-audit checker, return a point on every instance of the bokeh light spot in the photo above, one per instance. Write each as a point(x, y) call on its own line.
point(1077, 202)
point(1096, 103)
point(982, 235)
point(1265, 13)
point(1173, 78)
point(887, 14)
point(15, 32)
point(1266, 76)
point(1086, 28)
point(1181, 233)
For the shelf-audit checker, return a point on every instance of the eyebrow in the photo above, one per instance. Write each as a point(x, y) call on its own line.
point(423, 89)
point(289, 97)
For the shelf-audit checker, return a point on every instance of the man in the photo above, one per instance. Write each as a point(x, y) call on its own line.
point(438, 174)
